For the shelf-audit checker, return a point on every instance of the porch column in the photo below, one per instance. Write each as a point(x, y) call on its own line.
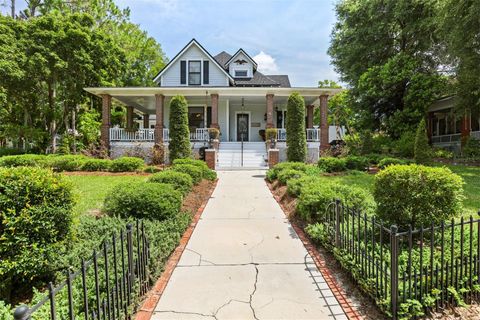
point(324, 139)
point(106, 115)
point(270, 111)
point(129, 118)
point(146, 121)
point(430, 126)
point(465, 126)
point(159, 103)
point(214, 124)
point(309, 116)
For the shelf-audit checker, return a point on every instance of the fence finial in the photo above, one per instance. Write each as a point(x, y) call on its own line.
point(21, 313)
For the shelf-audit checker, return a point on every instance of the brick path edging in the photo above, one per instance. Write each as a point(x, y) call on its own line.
point(321, 264)
point(147, 308)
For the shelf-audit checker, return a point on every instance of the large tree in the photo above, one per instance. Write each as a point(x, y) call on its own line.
point(386, 51)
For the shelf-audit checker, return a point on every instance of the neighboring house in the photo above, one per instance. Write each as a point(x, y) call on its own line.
point(224, 91)
point(446, 127)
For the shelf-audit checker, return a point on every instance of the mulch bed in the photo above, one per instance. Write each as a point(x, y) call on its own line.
point(103, 173)
point(195, 203)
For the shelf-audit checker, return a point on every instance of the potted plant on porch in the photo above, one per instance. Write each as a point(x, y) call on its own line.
point(271, 138)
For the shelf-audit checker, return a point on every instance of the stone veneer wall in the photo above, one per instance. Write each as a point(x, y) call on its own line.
point(313, 151)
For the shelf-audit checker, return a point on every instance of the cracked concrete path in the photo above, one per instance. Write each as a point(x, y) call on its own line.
point(245, 261)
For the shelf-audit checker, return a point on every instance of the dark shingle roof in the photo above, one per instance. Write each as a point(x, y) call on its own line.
point(281, 79)
point(222, 58)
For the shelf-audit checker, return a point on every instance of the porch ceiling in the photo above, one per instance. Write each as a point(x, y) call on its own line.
point(143, 99)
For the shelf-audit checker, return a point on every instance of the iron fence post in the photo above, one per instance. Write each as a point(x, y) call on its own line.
point(394, 270)
point(337, 223)
point(21, 313)
point(131, 275)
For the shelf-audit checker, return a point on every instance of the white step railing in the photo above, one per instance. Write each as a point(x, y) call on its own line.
point(121, 134)
point(475, 134)
point(312, 135)
point(200, 134)
point(447, 138)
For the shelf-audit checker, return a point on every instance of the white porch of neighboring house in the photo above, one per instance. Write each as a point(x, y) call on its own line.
point(238, 112)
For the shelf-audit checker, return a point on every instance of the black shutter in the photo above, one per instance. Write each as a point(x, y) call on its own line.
point(209, 116)
point(205, 72)
point(183, 72)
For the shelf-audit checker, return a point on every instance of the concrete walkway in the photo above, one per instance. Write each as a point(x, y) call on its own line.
point(244, 261)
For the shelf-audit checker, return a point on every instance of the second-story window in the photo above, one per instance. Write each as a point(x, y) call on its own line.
point(194, 73)
point(241, 73)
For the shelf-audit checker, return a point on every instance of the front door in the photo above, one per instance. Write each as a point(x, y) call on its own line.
point(242, 126)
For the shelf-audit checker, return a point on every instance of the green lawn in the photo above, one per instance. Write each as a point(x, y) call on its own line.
point(471, 176)
point(91, 189)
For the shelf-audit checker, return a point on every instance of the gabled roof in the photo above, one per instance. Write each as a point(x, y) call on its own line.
point(283, 80)
point(261, 80)
point(192, 42)
point(222, 58)
point(245, 54)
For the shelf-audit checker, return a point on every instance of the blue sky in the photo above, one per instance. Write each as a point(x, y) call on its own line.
point(292, 35)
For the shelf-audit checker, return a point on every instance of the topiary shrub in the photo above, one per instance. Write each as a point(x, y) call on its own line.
point(422, 151)
point(142, 200)
point(416, 195)
point(96, 165)
point(356, 163)
point(24, 160)
point(207, 173)
point(179, 180)
point(296, 134)
point(179, 145)
point(193, 171)
point(272, 173)
point(285, 175)
point(387, 161)
point(315, 198)
point(126, 164)
point(331, 164)
point(35, 217)
point(65, 162)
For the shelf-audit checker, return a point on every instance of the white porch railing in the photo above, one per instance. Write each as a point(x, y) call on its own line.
point(447, 138)
point(475, 134)
point(200, 134)
point(313, 135)
point(121, 134)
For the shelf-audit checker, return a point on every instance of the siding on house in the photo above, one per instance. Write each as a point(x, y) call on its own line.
point(171, 77)
point(236, 66)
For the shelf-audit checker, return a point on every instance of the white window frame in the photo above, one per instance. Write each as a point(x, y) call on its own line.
point(241, 70)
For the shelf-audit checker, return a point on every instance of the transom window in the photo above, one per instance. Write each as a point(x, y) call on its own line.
point(241, 73)
point(194, 73)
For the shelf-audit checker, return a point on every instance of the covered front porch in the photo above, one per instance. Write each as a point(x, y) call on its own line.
point(240, 114)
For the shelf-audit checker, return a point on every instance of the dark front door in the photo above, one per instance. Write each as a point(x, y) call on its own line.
point(242, 126)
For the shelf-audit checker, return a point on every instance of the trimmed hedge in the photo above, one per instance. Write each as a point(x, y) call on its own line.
point(179, 180)
point(331, 164)
point(36, 208)
point(285, 175)
point(387, 161)
point(356, 163)
point(65, 163)
point(296, 133)
point(142, 200)
point(207, 173)
point(179, 146)
point(96, 165)
point(24, 160)
point(193, 171)
point(127, 164)
point(417, 195)
point(296, 185)
point(272, 173)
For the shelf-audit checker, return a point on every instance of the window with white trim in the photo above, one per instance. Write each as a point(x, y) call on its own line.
point(241, 73)
point(194, 73)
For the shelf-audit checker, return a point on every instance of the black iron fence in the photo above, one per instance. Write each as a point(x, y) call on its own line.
point(407, 272)
point(105, 286)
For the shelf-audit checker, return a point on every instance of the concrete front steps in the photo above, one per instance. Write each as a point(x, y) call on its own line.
point(230, 155)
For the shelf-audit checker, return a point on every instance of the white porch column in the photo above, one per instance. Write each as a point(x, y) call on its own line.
point(214, 123)
point(228, 120)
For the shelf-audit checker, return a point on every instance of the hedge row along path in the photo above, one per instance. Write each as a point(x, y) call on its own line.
point(245, 261)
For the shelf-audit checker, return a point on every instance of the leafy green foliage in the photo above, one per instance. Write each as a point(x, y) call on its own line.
point(96, 165)
point(36, 216)
point(296, 185)
point(388, 161)
point(193, 171)
point(285, 175)
point(65, 163)
point(153, 201)
point(207, 173)
point(24, 160)
point(471, 149)
point(296, 134)
point(179, 145)
point(331, 164)
point(417, 195)
point(10, 152)
point(423, 152)
point(180, 181)
point(356, 163)
point(272, 173)
point(127, 164)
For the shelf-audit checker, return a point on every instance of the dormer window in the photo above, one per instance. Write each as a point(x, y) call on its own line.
point(241, 73)
point(194, 73)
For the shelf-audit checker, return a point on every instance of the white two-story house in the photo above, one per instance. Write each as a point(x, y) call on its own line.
point(225, 91)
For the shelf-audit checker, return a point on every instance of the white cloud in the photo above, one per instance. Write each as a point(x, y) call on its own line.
point(266, 63)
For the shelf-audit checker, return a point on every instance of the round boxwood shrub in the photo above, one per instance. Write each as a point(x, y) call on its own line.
point(179, 145)
point(316, 197)
point(96, 165)
point(207, 173)
point(415, 195)
point(387, 161)
point(36, 208)
point(193, 171)
point(126, 164)
point(296, 185)
point(296, 134)
point(180, 181)
point(356, 163)
point(23, 160)
point(331, 164)
point(272, 173)
point(155, 201)
point(65, 162)
point(285, 175)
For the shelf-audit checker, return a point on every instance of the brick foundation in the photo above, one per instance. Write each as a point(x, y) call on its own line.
point(211, 158)
point(273, 157)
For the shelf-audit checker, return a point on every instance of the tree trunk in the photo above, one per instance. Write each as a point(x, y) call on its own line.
point(12, 6)
point(52, 121)
point(74, 129)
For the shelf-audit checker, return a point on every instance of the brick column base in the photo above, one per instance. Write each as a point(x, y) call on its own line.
point(273, 157)
point(211, 158)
